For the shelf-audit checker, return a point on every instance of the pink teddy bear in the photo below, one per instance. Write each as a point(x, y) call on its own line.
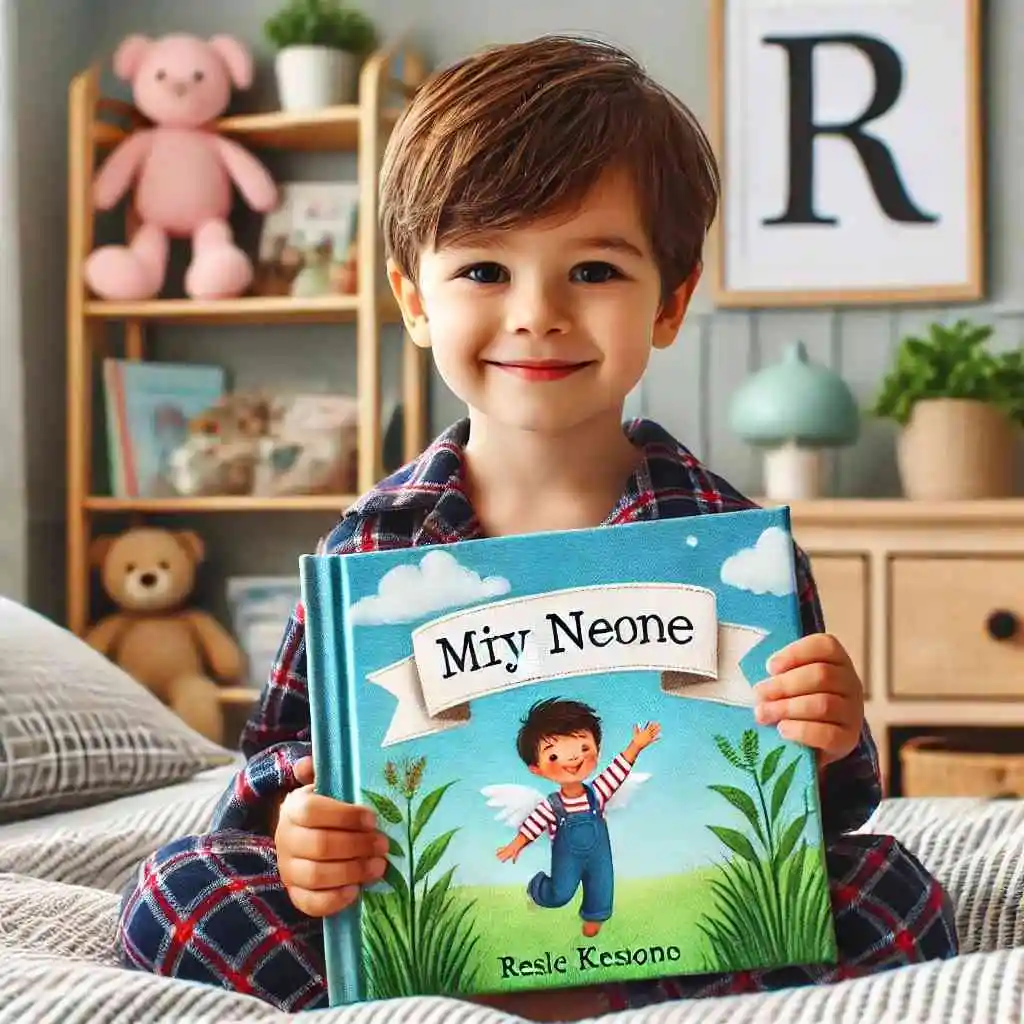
point(184, 170)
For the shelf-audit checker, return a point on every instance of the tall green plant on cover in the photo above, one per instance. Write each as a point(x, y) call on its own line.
point(419, 933)
point(952, 361)
point(772, 902)
point(321, 23)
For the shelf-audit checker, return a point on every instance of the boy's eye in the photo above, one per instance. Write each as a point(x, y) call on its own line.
point(584, 749)
point(594, 273)
point(486, 273)
point(552, 758)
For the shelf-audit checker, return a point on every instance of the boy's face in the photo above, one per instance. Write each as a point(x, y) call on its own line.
point(562, 759)
point(550, 325)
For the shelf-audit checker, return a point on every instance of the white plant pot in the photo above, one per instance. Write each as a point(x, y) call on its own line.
point(792, 473)
point(314, 77)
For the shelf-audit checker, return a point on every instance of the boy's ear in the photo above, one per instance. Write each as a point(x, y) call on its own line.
point(408, 298)
point(673, 310)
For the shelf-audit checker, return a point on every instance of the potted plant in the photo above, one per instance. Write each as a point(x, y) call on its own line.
point(321, 45)
point(958, 405)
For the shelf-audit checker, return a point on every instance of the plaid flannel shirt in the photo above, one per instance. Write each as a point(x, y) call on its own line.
point(211, 908)
point(425, 503)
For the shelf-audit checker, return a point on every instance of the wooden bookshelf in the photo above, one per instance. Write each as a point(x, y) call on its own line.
point(220, 503)
point(333, 129)
point(249, 310)
point(95, 124)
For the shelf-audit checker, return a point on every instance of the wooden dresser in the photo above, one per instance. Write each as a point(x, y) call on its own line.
point(929, 600)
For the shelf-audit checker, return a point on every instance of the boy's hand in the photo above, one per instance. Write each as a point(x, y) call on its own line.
point(645, 735)
point(326, 849)
point(512, 850)
point(815, 696)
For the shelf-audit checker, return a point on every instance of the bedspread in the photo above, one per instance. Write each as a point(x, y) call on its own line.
point(59, 880)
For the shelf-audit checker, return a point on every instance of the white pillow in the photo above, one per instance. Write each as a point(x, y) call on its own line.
point(75, 729)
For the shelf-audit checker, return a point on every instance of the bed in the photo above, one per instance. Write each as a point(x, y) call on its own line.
point(77, 814)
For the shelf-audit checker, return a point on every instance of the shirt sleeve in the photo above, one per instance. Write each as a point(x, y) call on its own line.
point(851, 789)
point(540, 819)
point(278, 734)
point(607, 784)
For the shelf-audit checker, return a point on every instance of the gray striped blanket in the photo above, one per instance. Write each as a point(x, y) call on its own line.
point(58, 903)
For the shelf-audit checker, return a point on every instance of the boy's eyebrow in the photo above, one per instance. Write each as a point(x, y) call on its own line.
point(614, 243)
point(495, 239)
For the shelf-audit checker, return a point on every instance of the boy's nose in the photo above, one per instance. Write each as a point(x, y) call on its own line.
point(537, 311)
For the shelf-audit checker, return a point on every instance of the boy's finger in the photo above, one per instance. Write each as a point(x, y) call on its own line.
point(815, 678)
point(304, 771)
point(818, 735)
point(809, 707)
point(324, 844)
point(816, 647)
point(318, 875)
point(313, 810)
point(322, 903)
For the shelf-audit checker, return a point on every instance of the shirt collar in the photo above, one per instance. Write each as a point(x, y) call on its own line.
point(433, 485)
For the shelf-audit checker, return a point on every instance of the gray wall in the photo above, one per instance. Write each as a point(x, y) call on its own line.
point(13, 533)
point(688, 387)
point(49, 41)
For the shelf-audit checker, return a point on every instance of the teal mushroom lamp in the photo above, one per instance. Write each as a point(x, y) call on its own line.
point(793, 410)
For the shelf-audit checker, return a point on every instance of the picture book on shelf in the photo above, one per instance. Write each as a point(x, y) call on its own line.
point(308, 243)
point(556, 731)
point(148, 408)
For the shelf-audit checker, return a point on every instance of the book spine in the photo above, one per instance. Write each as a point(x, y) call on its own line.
point(335, 764)
point(784, 514)
point(118, 437)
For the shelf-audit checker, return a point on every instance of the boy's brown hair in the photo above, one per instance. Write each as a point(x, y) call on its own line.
point(555, 716)
point(517, 132)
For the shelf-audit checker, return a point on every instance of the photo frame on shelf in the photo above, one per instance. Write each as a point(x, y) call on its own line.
point(849, 138)
point(308, 245)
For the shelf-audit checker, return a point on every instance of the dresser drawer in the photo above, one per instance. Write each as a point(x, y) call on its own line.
point(843, 590)
point(943, 617)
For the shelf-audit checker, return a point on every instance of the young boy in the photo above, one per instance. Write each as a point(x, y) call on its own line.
point(544, 207)
point(560, 741)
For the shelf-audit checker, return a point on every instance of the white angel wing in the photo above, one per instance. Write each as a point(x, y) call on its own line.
point(515, 803)
point(621, 797)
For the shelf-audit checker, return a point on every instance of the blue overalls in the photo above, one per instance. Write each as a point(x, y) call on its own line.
point(581, 852)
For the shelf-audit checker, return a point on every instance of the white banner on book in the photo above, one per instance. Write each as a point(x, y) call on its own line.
point(491, 648)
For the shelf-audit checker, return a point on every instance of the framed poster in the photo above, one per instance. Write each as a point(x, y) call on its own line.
point(849, 137)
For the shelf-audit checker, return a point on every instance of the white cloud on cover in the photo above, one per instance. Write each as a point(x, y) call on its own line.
point(766, 568)
point(409, 592)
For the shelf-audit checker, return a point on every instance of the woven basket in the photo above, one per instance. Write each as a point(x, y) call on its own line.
point(937, 766)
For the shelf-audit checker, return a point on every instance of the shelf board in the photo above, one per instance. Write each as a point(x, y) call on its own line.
point(332, 129)
point(223, 503)
point(254, 309)
point(988, 512)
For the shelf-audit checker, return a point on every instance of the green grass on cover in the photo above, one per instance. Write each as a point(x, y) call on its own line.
point(650, 913)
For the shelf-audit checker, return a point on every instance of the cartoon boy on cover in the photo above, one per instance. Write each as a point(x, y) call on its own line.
point(560, 740)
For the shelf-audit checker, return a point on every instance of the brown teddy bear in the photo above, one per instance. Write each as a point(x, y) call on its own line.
point(155, 637)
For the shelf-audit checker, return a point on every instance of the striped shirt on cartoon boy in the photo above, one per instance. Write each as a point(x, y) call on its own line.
point(542, 817)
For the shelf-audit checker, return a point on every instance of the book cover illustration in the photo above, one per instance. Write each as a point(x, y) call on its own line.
point(308, 243)
point(148, 409)
point(556, 732)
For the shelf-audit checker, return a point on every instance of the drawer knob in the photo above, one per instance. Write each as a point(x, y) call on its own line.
point(1003, 625)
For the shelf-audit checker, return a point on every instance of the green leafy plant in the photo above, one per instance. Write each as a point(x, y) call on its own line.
point(952, 362)
point(419, 932)
point(772, 897)
point(321, 23)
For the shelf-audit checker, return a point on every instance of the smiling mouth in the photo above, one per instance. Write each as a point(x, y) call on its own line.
point(573, 769)
point(540, 369)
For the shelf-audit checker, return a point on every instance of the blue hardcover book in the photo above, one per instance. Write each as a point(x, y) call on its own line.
point(556, 732)
point(148, 408)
